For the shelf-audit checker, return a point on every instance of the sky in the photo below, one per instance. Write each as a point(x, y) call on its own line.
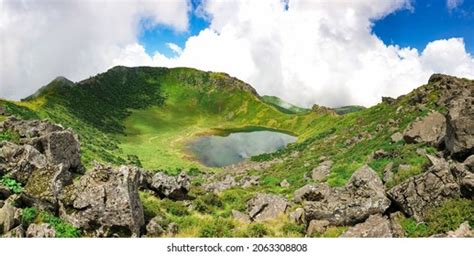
point(326, 52)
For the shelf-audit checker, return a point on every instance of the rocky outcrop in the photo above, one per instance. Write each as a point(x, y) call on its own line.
point(460, 128)
point(229, 181)
point(8, 216)
point(240, 216)
point(44, 186)
point(266, 206)
point(154, 227)
point(42, 230)
point(58, 145)
point(426, 190)
point(19, 161)
point(171, 187)
point(374, 226)
point(297, 216)
point(464, 230)
point(322, 171)
point(317, 227)
point(105, 200)
point(364, 195)
point(396, 137)
point(430, 129)
point(312, 192)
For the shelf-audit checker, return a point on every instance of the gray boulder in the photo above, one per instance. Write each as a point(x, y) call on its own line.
point(388, 173)
point(45, 185)
point(266, 206)
point(20, 161)
point(218, 186)
point(312, 192)
point(18, 232)
point(59, 146)
point(428, 189)
point(469, 163)
point(171, 187)
point(42, 230)
point(464, 230)
point(8, 216)
point(284, 183)
point(396, 137)
point(321, 172)
point(240, 216)
point(249, 181)
point(397, 229)
point(297, 216)
point(460, 128)
point(364, 195)
point(105, 199)
point(154, 228)
point(374, 226)
point(430, 129)
point(317, 227)
point(62, 147)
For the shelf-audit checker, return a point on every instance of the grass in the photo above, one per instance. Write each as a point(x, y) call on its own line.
point(15, 186)
point(62, 228)
point(151, 114)
point(441, 219)
point(9, 136)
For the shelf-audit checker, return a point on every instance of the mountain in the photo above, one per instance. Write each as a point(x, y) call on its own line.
point(348, 109)
point(401, 168)
point(129, 113)
point(284, 106)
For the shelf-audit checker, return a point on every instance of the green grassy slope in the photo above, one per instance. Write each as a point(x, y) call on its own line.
point(148, 114)
point(284, 106)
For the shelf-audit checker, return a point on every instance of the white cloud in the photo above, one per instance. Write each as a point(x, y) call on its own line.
point(40, 40)
point(315, 52)
point(175, 48)
point(453, 4)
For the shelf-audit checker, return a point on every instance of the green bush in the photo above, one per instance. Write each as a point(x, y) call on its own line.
point(207, 203)
point(290, 228)
point(11, 184)
point(9, 136)
point(28, 216)
point(174, 208)
point(441, 219)
point(217, 228)
point(450, 215)
point(63, 229)
point(257, 230)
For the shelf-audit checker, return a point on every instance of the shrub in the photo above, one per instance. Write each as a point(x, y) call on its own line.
point(9, 136)
point(290, 228)
point(257, 230)
point(63, 229)
point(11, 184)
point(28, 216)
point(450, 215)
point(175, 208)
point(441, 219)
point(217, 228)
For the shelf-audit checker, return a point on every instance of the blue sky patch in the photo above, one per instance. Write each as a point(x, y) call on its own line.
point(156, 39)
point(429, 21)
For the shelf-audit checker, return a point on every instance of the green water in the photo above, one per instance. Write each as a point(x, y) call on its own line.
point(219, 151)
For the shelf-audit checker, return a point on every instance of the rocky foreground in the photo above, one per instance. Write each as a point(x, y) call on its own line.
point(104, 201)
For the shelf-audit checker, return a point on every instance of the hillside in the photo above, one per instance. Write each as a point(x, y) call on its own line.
point(284, 106)
point(402, 168)
point(130, 114)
